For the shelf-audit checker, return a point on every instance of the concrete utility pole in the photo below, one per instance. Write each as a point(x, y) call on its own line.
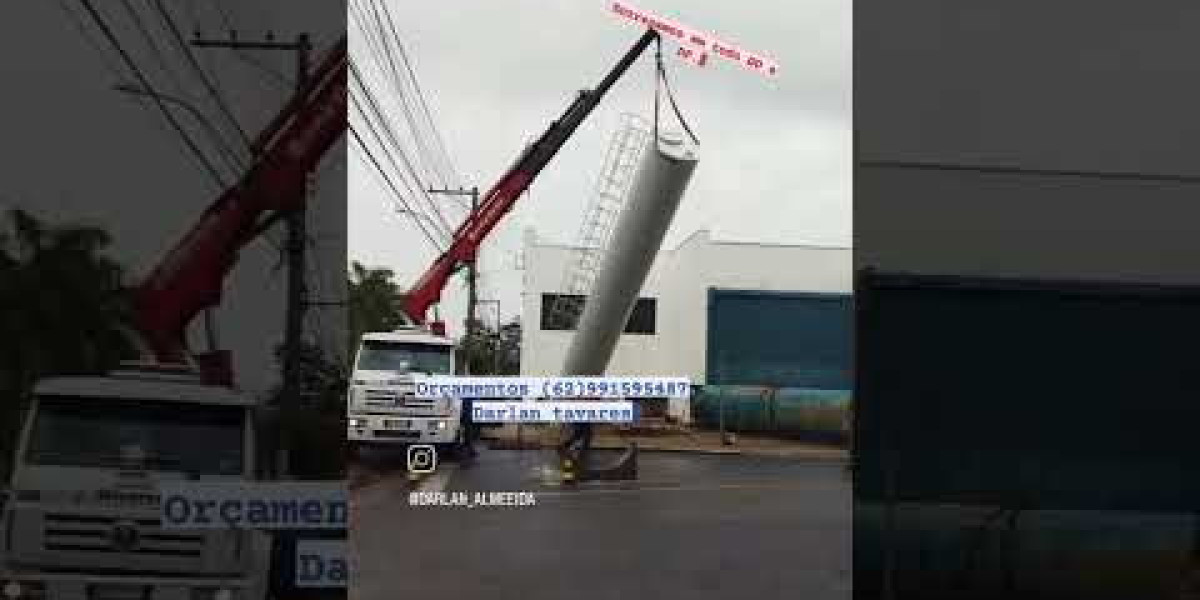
point(295, 221)
point(496, 353)
point(472, 269)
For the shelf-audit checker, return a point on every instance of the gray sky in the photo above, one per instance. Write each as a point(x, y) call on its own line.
point(775, 153)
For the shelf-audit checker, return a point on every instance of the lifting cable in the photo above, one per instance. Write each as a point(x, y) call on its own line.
point(660, 77)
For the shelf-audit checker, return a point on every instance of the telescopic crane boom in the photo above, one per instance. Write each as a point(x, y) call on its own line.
point(504, 193)
point(190, 277)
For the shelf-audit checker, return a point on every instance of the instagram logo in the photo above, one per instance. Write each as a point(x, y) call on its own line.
point(422, 458)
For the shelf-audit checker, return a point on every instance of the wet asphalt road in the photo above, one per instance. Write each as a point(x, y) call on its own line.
point(692, 527)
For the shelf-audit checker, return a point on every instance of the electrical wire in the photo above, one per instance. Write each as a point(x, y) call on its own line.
point(107, 60)
point(440, 239)
point(212, 90)
point(380, 118)
point(158, 54)
point(132, 65)
point(395, 191)
point(377, 35)
point(389, 141)
point(443, 154)
point(278, 80)
point(179, 92)
point(423, 150)
point(398, 206)
point(99, 50)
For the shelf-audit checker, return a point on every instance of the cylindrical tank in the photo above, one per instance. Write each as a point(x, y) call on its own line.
point(812, 413)
point(747, 408)
point(657, 190)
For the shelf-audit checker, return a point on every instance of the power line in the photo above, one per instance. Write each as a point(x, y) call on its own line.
point(395, 191)
point(129, 62)
point(385, 142)
point(278, 80)
point(422, 217)
point(107, 60)
point(377, 39)
point(424, 104)
point(382, 119)
point(208, 85)
point(422, 148)
point(159, 56)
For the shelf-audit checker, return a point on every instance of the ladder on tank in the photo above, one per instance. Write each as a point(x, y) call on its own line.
point(608, 197)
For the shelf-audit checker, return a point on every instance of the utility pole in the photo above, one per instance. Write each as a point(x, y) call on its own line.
point(496, 354)
point(472, 269)
point(295, 220)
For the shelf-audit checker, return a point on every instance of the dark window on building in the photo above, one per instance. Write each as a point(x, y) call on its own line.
point(560, 312)
point(642, 319)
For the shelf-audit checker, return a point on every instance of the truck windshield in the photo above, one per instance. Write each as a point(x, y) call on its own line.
point(152, 435)
point(394, 356)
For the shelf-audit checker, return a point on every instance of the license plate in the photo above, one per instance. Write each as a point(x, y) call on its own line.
point(396, 423)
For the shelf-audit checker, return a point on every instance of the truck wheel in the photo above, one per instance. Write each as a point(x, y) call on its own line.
point(453, 450)
point(358, 450)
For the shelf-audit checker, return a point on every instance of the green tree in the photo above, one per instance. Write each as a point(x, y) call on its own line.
point(491, 352)
point(313, 430)
point(374, 301)
point(64, 312)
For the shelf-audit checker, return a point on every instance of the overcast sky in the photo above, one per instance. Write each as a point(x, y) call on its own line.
point(775, 152)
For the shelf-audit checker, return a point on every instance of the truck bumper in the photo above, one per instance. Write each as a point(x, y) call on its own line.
point(392, 429)
point(74, 586)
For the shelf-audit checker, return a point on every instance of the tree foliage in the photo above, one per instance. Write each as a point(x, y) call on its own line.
point(65, 312)
point(374, 301)
point(491, 352)
point(375, 306)
point(313, 427)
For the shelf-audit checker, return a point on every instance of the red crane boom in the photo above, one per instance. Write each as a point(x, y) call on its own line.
point(503, 195)
point(190, 277)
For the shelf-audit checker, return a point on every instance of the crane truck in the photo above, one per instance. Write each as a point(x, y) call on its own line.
point(83, 518)
point(381, 404)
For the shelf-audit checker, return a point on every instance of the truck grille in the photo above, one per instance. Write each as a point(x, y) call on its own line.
point(120, 592)
point(126, 500)
point(391, 399)
point(109, 535)
point(392, 433)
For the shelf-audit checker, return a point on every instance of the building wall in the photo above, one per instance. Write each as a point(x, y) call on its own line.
point(543, 352)
point(680, 281)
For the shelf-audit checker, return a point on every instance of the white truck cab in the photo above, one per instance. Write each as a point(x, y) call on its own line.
point(382, 407)
point(83, 516)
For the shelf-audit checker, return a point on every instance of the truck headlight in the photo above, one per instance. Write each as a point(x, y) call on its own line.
point(358, 423)
point(441, 425)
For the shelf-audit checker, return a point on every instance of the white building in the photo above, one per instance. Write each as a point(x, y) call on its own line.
point(671, 323)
